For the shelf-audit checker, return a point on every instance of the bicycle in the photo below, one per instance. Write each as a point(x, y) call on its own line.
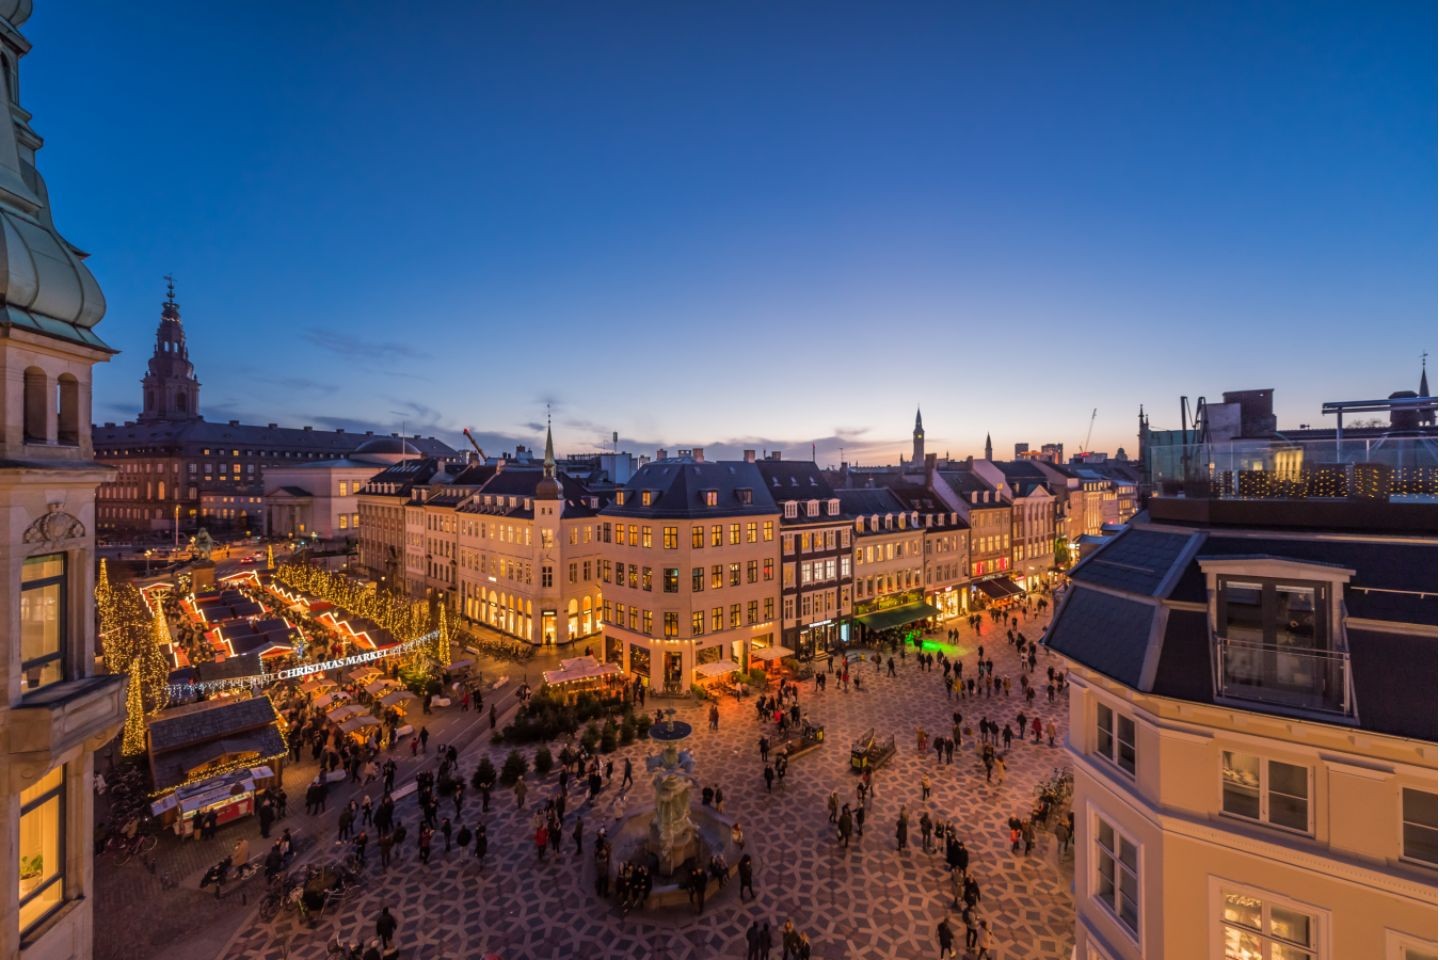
point(125, 848)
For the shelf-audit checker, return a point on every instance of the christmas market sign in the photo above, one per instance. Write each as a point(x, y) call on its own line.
point(181, 690)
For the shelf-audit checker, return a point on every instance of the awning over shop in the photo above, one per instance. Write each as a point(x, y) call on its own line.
point(771, 653)
point(717, 669)
point(1000, 588)
point(897, 616)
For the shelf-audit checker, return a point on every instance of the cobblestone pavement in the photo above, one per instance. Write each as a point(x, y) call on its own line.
point(139, 917)
point(871, 902)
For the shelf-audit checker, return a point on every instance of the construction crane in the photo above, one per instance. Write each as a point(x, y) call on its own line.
point(471, 437)
point(1085, 447)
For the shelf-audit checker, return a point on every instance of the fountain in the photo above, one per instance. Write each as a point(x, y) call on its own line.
point(669, 835)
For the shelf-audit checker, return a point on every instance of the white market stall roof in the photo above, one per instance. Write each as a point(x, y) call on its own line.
point(380, 686)
point(580, 668)
point(358, 723)
point(341, 714)
point(717, 669)
point(771, 653)
point(398, 697)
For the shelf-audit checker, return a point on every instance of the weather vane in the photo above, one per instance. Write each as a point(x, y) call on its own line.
point(170, 287)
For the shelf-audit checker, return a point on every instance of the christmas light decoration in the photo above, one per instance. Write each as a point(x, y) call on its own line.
point(442, 641)
point(133, 743)
point(132, 645)
point(270, 557)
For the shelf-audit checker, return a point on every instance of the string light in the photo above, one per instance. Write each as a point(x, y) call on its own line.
point(133, 743)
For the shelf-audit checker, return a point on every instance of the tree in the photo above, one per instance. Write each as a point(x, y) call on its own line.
point(484, 774)
point(1062, 553)
point(133, 742)
point(133, 646)
point(442, 641)
point(270, 558)
point(513, 768)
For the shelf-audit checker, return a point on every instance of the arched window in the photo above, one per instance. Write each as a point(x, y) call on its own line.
point(35, 420)
point(67, 410)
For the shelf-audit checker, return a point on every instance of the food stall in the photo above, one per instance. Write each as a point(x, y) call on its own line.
point(229, 796)
point(358, 727)
point(718, 676)
point(581, 675)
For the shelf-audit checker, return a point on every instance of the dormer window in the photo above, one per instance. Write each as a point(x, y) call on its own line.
point(790, 511)
point(745, 495)
point(1277, 635)
point(834, 505)
point(619, 498)
point(889, 521)
point(646, 498)
point(812, 508)
point(712, 497)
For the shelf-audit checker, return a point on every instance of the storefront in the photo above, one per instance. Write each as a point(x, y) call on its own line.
point(950, 602)
point(579, 675)
point(228, 796)
point(820, 639)
point(997, 591)
point(893, 612)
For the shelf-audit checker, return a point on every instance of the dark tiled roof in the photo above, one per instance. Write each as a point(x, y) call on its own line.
point(869, 501)
point(1136, 561)
point(210, 720)
point(173, 768)
point(198, 433)
point(677, 486)
point(1395, 683)
point(1184, 667)
point(794, 480)
point(405, 476)
point(1105, 632)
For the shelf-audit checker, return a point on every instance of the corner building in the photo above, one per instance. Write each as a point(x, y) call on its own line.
point(54, 712)
point(689, 552)
point(1253, 730)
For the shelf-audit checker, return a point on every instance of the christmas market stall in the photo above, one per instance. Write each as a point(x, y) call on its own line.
point(358, 728)
point(204, 745)
point(581, 675)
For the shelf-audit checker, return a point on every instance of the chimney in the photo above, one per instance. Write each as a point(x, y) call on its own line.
point(699, 454)
point(930, 459)
point(661, 454)
point(773, 455)
point(749, 456)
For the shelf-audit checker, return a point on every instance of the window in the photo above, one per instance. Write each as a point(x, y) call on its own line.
point(574, 572)
point(752, 612)
point(344, 521)
point(1256, 928)
point(751, 532)
point(672, 579)
point(634, 535)
point(1117, 870)
point(42, 849)
point(645, 579)
point(712, 498)
point(672, 538)
point(547, 576)
point(645, 534)
point(717, 535)
point(789, 509)
point(697, 537)
point(697, 623)
point(717, 577)
point(1277, 645)
point(1115, 738)
point(697, 579)
point(1418, 825)
point(734, 574)
point(769, 608)
point(734, 614)
point(34, 409)
point(647, 624)
point(1266, 790)
point(734, 534)
point(672, 624)
point(645, 498)
point(42, 621)
point(67, 410)
point(752, 571)
point(769, 569)
point(717, 619)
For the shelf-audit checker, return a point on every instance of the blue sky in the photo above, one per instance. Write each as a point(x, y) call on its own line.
point(750, 224)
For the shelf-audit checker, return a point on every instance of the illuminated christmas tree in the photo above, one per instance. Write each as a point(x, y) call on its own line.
point(270, 558)
point(133, 645)
point(133, 743)
point(442, 641)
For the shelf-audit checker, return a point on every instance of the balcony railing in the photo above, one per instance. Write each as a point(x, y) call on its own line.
point(1374, 468)
point(1285, 676)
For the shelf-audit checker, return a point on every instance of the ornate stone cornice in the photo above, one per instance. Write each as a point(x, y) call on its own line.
point(54, 527)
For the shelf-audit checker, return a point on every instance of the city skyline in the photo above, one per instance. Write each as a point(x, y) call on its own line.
point(773, 207)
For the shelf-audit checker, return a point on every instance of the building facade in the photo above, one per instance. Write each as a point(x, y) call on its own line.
point(54, 712)
point(689, 557)
point(816, 575)
point(1253, 731)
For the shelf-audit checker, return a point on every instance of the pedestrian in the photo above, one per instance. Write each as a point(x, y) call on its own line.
point(987, 942)
point(834, 805)
point(445, 829)
point(946, 938)
point(902, 830)
point(385, 927)
point(520, 793)
point(769, 777)
point(752, 940)
point(845, 827)
point(747, 876)
point(629, 778)
point(578, 835)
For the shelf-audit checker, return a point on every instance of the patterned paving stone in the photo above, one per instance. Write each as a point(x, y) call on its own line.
point(868, 902)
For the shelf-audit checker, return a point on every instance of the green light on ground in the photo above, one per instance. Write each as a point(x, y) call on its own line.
point(950, 650)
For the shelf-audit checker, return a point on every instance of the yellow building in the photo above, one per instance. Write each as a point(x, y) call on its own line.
point(688, 560)
point(1253, 728)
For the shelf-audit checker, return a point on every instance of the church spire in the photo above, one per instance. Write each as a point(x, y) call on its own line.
point(1424, 378)
point(171, 390)
point(917, 453)
point(989, 450)
point(549, 487)
point(549, 449)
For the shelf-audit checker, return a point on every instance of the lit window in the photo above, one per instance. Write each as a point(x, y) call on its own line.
point(42, 621)
point(697, 623)
point(1257, 929)
point(697, 537)
point(1115, 738)
point(1419, 827)
point(672, 538)
point(1117, 870)
point(1268, 791)
point(42, 849)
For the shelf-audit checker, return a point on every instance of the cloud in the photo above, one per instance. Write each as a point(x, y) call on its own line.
point(347, 345)
point(296, 384)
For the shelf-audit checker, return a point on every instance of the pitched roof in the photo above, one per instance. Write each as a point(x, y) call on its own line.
point(678, 487)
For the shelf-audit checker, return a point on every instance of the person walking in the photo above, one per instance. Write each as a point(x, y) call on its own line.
point(385, 927)
point(925, 786)
point(520, 793)
point(946, 938)
point(834, 805)
point(986, 942)
point(769, 777)
point(846, 827)
point(902, 830)
point(578, 835)
point(747, 876)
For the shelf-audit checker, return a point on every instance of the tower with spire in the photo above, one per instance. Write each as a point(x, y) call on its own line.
point(989, 450)
point(171, 390)
point(549, 487)
point(917, 458)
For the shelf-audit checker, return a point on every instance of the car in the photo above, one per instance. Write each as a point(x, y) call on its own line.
point(250, 559)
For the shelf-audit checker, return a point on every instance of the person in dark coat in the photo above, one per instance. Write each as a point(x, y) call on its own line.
point(747, 877)
point(385, 926)
point(946, 937)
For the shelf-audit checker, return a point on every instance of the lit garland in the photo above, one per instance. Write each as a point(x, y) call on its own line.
point(133, 743)
point(442, 641)
point(391, 610)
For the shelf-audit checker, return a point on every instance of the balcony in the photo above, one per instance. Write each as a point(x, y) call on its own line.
point(61, 716)
point(1381, 468)
point(1284, 676)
